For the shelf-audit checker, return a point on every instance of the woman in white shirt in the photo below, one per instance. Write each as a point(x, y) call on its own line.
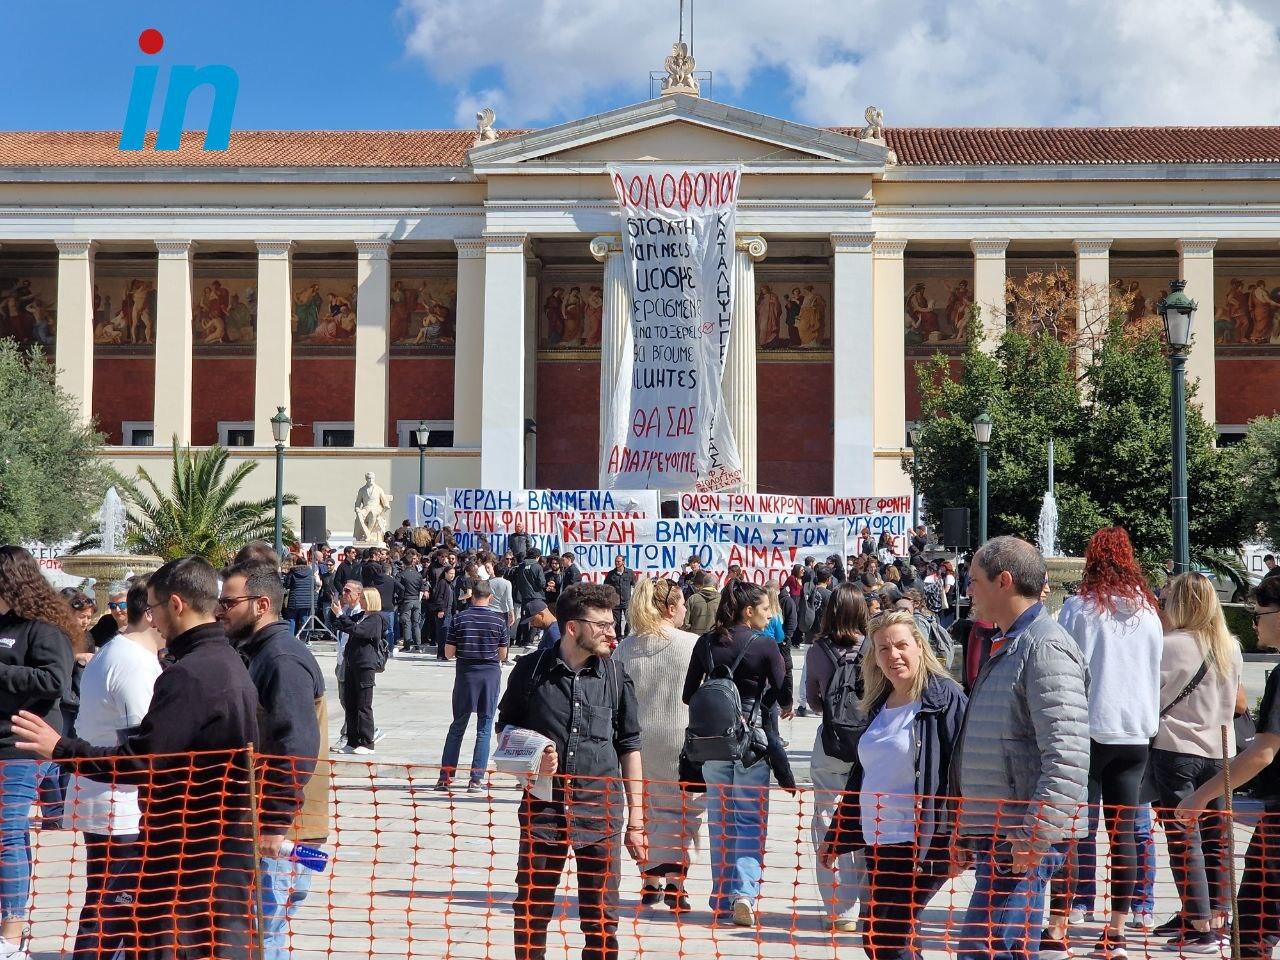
point(1199, 679)
point(896, 805)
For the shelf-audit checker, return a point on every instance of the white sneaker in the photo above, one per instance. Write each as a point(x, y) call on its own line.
point(363, 751)
point(1078, 915)
point(1141, 921)
point(12, 951)
point(337, 748)
point(744, 915)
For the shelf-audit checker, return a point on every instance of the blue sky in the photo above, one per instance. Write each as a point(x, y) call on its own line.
point(351, 64)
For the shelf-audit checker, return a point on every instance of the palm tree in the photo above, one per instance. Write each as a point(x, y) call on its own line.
point(199, 513)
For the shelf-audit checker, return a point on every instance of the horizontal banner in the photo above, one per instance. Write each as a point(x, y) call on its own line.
point(791, 506)
point(637, 503)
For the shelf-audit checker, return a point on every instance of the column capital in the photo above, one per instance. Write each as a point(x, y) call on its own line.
point(506, 242)
point(1092, 248)
point(75, 248)
point(602, 247)
point(274, 249)
point(888, 249)
point(373, 249)
point(175, 249)
point(989, 248)
point(852, 242)
point(470, 249)
point(1198, 247)
point(754, 247)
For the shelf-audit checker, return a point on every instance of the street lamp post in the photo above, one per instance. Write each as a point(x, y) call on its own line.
point(421, 436)
point(913, 436)
point(280, 425)
point(1177, 310)
point(982, 424)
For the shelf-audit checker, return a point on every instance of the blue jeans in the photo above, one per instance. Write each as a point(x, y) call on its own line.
point(737, 817)
point(17, 794)
point(297, 617)
point(1006, 910)
point(475, 691)
point(285, 885)
point(389, 630)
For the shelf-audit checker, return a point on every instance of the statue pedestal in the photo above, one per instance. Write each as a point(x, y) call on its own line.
point(1063, 572)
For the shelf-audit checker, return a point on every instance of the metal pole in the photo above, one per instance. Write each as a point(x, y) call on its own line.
point(1229, 828)
point(982, 494)
point(422, 471)
point(259, 910)
point(279, 542)
point(1181, 530)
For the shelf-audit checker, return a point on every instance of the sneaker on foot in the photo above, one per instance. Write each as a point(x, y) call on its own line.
point(1111, 946)
point(844, 926)
point(744, 915)
point(1195, 941)
point(12, 951)
point(1175, 926)
point(363, 751)
point(1052, 948)
point(442, 785)
point(344, 748)
point(1141, 921)
point(1079, 915)
point(676, 899)
point(475, 786)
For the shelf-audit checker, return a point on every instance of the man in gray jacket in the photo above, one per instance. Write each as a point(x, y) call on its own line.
point(1022, 769)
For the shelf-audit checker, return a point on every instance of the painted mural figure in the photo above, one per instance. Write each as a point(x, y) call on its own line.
point(239, 321)
point(573, 316)
point(15, 309)
point(812, 322)
point(957, 312)
point(1235, 309)
point(1262, 310)
point(401, 312)
point(307, 310)
point(921, 314)
point(143, 327)
point(769, 318)
point(553, 313)
point(595, 317)
point(794, 302)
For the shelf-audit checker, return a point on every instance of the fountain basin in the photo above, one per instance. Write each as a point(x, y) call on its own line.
point(1063, 572)
point(107, 568)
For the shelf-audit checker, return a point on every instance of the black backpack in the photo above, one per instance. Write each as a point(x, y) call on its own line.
point(842, 716)
point(717, 729)
point(808, 606)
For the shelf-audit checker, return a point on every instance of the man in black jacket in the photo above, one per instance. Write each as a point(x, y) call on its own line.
point(528, 583)
point(290, 688)
point(408, 598)
point(623, 581)
point(193, 897)
point(569, 571)
point(518, 543)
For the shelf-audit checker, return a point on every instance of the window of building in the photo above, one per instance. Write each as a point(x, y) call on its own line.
point(439, 433)
point(235, 433)
point(138, 433)
point(334, 434)
point(1229, 434)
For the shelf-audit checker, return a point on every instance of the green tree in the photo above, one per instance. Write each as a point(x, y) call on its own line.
point(1256, 462)
point(1103, 396)
point(199, 513)
point(51, 480)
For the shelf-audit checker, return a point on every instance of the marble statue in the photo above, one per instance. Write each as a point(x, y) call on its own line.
point(874, 130)
point(484, 127)
point(373, 507)
point(679, 67)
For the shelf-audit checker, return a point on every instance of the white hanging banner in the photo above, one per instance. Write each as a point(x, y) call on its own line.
point(668, 429)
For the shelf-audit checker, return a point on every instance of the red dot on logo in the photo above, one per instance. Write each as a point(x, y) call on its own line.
point(150, 41)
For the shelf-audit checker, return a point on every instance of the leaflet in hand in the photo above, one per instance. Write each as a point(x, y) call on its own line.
point(520, 754)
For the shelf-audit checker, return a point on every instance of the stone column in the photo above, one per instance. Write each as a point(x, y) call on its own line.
point(739, 383)
point(889, 350)
point(468, 356)
point(373, 342)
point(853, 395)
point(273, 357)
point(988, 288)
point(613, 336)
point(532, 276)
point(1093, 290)
point(73, 346)
point(502, 417)
point(174, 340)
point(1195, 265)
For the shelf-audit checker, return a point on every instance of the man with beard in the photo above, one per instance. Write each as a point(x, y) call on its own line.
point(585, 704)
point(291, 713)
point(191, 897)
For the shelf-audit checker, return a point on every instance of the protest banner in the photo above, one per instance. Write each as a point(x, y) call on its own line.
point(891, 515)
point(667, 427)
point(427, 511)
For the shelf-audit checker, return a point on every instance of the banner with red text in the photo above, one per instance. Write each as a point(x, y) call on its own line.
point(667, 427)
point(891, 515)
point(483, 518)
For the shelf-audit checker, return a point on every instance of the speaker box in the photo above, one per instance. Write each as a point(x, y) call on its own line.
point(955, 527)
point(314, 527)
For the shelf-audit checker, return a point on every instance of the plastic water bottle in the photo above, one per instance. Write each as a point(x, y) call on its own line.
point(312, 858)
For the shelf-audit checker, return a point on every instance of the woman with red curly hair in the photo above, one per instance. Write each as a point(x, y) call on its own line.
point(1115, 620)
point(36, 626)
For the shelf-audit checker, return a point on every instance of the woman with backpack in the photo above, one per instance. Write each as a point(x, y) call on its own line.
point(656, 654)
point(896, 806)
point(1200, 669)
point(833, 689)
point(738, 789)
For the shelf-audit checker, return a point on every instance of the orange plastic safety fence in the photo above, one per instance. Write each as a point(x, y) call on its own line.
point(734, 870)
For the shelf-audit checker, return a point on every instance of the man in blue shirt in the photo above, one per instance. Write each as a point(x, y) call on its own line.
point(478, 641)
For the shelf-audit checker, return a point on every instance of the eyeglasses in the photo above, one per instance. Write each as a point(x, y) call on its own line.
point(226, 603)
point(606, 627)
point(117, 605)
point(1258, 616)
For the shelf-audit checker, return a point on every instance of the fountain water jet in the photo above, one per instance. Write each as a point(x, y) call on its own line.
point(108, 564)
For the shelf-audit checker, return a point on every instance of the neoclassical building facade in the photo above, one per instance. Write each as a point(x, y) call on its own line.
point(367, 281)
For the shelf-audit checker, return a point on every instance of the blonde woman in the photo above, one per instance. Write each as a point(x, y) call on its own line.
point(358, 619)
point(1200, 669)
point(896, 805)
point(656, 654)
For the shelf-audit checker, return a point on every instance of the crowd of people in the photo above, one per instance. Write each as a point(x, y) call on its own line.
point(662, 700)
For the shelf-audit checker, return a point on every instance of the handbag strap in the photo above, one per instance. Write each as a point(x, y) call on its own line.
point(1189, 688)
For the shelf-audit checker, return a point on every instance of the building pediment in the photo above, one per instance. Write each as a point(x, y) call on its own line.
point(679, 128)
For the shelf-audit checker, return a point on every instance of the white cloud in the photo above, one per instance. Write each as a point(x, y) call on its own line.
point(925, 62)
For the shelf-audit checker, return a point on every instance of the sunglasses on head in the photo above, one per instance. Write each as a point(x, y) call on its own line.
point(81, 603)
